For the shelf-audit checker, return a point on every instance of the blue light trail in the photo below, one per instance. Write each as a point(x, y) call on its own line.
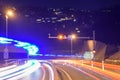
point(31, 48)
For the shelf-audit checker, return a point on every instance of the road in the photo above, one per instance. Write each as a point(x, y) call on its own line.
point(58, 70)
point(72, 69)
point(70, 72)
point(30, 70)
point(40, 74)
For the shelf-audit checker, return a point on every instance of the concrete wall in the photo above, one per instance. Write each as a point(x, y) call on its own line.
point(103, 51)
point(99, 47)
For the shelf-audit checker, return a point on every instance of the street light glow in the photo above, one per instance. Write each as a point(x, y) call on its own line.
point(73, 36)
point(60, 37)
point(9, 13)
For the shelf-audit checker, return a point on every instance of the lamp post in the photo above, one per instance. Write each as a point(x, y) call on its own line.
point(9, 13)
point(71, 37)
point(71, 42)
point(94, 45)
point(6, 18)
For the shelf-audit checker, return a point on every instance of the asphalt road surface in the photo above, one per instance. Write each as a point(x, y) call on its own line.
point(58, 70)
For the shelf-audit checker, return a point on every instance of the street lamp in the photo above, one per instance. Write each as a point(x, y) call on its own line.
point(9, 13)
point(69, 37)
point(60, 36)
point(72, 37)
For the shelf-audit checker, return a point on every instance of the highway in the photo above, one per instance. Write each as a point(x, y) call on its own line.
point(40, 74)
point(70, 72)
point(58, 70)
point(30, 70)
point(75, 70)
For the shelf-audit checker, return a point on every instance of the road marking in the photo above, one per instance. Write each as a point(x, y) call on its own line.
point(85, 72)
point(43, 78)
point(69, 78)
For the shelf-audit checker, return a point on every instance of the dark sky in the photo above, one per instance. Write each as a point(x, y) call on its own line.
point(82, 4)
point(86, 4)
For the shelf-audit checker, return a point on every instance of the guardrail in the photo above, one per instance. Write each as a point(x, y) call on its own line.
point(113, 61)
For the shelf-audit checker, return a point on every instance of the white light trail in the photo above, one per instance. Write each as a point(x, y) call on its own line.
point(25, 72)
point(18, 72)
point(6, 68)
point(7, 72)
point(50, 70)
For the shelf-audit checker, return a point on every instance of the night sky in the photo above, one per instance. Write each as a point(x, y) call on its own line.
point(104, 32)
point(83, 4)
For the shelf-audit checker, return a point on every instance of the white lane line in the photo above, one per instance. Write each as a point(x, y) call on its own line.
point(90, 75)
point(69, 78)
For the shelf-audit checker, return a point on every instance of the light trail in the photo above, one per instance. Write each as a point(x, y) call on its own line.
point(43, 78)
point(107, 66)
point(109, 74)
point(16, 73)
point(26, 72)
point(31, 48)
point(8, 67)
point(50, 71)
point(105, 73)
point(5, 73)
point(90, 75)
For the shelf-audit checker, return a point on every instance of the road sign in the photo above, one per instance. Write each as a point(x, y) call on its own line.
point(88, 55)
point(6, 54)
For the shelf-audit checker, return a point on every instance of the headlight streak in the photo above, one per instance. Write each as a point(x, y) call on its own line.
point(43, 77)
point(23, 71)
point(5, 40)
point(31, 48)
point(26, 72)
point(6, 68)
point(7, 72)
point(50, 70)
